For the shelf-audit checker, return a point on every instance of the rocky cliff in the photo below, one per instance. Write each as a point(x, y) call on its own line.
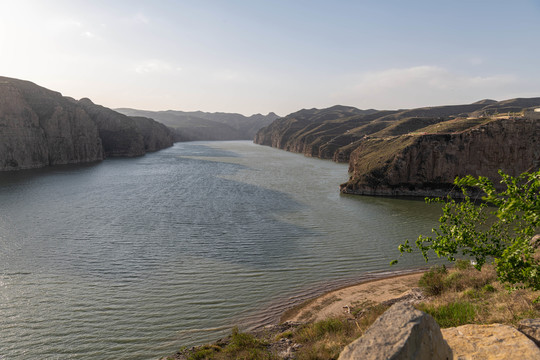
point(417, 151)
point(40, 127)
point(125, 136)
point(427, 164)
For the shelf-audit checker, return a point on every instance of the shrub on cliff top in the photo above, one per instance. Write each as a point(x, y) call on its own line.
point(501, 234)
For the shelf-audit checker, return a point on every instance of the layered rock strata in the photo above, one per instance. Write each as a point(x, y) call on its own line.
point(428, 164)
point(419, 151)
point(40, 127)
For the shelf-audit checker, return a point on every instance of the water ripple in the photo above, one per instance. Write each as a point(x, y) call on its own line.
point(133, 258)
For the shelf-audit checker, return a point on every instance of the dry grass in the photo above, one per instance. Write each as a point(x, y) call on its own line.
point(491, 301)
point(326, 339)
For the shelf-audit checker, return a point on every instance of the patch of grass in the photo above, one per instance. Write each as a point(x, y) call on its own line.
point(326, 339)
point(246, 346)
point(240, 345)
point(319, 352)
point(472, 294)
point(317, 330)
point(284, 335)
point(452, 314)
point(205, 352)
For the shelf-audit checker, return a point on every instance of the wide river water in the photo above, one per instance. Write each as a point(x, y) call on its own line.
point(133, 258)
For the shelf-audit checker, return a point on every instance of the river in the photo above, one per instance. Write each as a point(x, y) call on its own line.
point(133, 258)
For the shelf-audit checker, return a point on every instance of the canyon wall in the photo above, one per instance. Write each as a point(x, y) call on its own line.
point(40, 127)
point(428, 164)
point(417, 151)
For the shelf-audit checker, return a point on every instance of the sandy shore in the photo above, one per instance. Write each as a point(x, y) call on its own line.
point(335, 302)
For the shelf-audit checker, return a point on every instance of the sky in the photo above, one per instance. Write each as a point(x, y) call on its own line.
point(254, 56)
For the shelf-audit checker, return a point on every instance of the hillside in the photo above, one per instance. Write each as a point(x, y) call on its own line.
point(198, 125)
point(415, 151)
point(40, 127)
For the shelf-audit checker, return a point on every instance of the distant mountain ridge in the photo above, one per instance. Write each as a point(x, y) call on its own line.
point(199, 125)
point(40, 127)
point(415, 151)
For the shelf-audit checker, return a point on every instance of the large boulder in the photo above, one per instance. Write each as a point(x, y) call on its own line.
point(490, 342)
point(402, 332)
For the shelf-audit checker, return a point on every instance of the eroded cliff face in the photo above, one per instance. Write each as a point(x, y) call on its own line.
point(125, 136)
point(428, 164)
point(156, 136)
point(39, 127)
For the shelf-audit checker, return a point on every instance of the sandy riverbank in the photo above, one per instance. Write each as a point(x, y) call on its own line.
point(370, 292)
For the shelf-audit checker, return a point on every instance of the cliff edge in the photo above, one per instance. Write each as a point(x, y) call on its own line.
point(40, 127)
point(427, 164)
point(415, 152)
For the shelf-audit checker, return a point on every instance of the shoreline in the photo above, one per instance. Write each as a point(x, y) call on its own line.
point(376, 288)
point(279, 309)
point(321, 302)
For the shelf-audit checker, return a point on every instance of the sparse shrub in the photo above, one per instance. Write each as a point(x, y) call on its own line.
point(454, 281)
point(463, 264)
point(432, 281)
point(451, 314)
point(488, 288)
point(478, 279)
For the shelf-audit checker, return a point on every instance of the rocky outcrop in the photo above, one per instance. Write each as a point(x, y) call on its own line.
point(402, 332)
point(427, 164)
point(316, 132)
point(418, 151)
point(39, 127)
point(490, 342)
point(156, 136)
point(125, 136)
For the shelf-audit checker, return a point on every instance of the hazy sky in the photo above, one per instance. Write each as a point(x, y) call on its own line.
point(255, 56)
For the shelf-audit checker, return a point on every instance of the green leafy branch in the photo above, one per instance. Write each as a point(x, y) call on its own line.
point(498, 229)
